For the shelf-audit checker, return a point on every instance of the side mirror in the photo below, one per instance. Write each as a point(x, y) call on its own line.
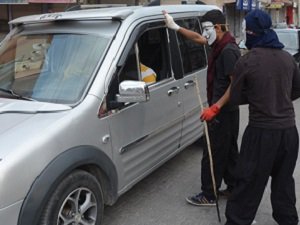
point(133, 91)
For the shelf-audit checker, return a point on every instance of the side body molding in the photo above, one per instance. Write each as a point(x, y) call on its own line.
point(50, 177)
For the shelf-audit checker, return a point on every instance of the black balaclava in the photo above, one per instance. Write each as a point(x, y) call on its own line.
point(259, 32)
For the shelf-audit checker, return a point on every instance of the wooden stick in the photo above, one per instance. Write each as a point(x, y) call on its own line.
point(209, 150)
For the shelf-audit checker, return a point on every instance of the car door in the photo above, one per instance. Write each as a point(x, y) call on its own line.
point(193, 61)
point(145, 134)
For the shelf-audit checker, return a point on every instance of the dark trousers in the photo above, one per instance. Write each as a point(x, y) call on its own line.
point(223, 133)
point(264, 153)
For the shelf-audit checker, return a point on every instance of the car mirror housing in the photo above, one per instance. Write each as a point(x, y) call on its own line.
point(133, 91)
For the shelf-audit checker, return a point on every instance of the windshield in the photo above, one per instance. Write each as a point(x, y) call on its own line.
point(50, 67)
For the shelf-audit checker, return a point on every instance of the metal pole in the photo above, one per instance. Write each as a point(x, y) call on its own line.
point(10, 16)
point(298, 16)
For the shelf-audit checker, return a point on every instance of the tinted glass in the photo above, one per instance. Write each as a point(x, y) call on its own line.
point(192, 54)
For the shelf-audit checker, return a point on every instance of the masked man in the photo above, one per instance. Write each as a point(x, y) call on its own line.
point(267, 78)
point(223, 119)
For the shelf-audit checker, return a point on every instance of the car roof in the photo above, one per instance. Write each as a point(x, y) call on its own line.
point(112, 13)
point(286, 30)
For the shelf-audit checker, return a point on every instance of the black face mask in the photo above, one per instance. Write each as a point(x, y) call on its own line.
point(251, 40)
point(266, 39)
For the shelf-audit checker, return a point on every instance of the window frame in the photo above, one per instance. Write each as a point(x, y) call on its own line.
point(204, 47)
point(133, 42)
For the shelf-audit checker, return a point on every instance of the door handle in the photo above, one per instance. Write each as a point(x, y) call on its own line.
point(174, 90)
point(189, 83)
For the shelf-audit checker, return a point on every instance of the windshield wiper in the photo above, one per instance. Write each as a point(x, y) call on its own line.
point(12, 93)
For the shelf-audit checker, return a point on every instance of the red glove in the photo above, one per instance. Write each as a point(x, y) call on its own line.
point(209, 113)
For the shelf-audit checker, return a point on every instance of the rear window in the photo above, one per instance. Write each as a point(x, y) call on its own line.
point(290, 40)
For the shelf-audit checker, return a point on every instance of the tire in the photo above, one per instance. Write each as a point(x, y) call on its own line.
point(77, 200)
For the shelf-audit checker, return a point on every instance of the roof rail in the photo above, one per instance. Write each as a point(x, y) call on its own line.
point(153, 3)
point(94, 6)
point(198, 2)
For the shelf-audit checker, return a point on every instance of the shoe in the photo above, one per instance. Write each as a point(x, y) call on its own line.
point(201, 200)
point(224, 193)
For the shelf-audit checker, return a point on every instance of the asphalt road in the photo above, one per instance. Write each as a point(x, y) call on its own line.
point(159, 199)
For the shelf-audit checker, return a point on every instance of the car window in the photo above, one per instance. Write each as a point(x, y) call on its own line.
point(154, 52)
point(149, 55)
point(148, 60)
point(290, 40)
point(192, 54)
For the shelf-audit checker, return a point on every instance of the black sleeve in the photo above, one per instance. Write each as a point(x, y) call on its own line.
point(296, 84)
point(238, 85)
point(230, 57)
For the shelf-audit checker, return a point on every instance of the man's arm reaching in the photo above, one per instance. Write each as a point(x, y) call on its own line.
point(189, 34)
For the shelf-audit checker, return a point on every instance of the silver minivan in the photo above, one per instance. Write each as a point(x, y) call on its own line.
point(79, 126)
point(290, 38)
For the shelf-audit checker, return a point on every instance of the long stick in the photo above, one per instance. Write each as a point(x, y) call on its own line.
point(209, 151)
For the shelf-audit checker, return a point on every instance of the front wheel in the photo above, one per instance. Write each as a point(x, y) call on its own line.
point(77, 200)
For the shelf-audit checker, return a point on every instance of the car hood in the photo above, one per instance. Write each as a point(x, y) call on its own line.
point(31, 107)
point(27, 122)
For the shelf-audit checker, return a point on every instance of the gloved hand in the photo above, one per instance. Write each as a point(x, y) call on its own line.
point(209, 113)
point(170, 22)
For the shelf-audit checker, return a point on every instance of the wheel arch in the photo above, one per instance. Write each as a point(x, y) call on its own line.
point(87, 158)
